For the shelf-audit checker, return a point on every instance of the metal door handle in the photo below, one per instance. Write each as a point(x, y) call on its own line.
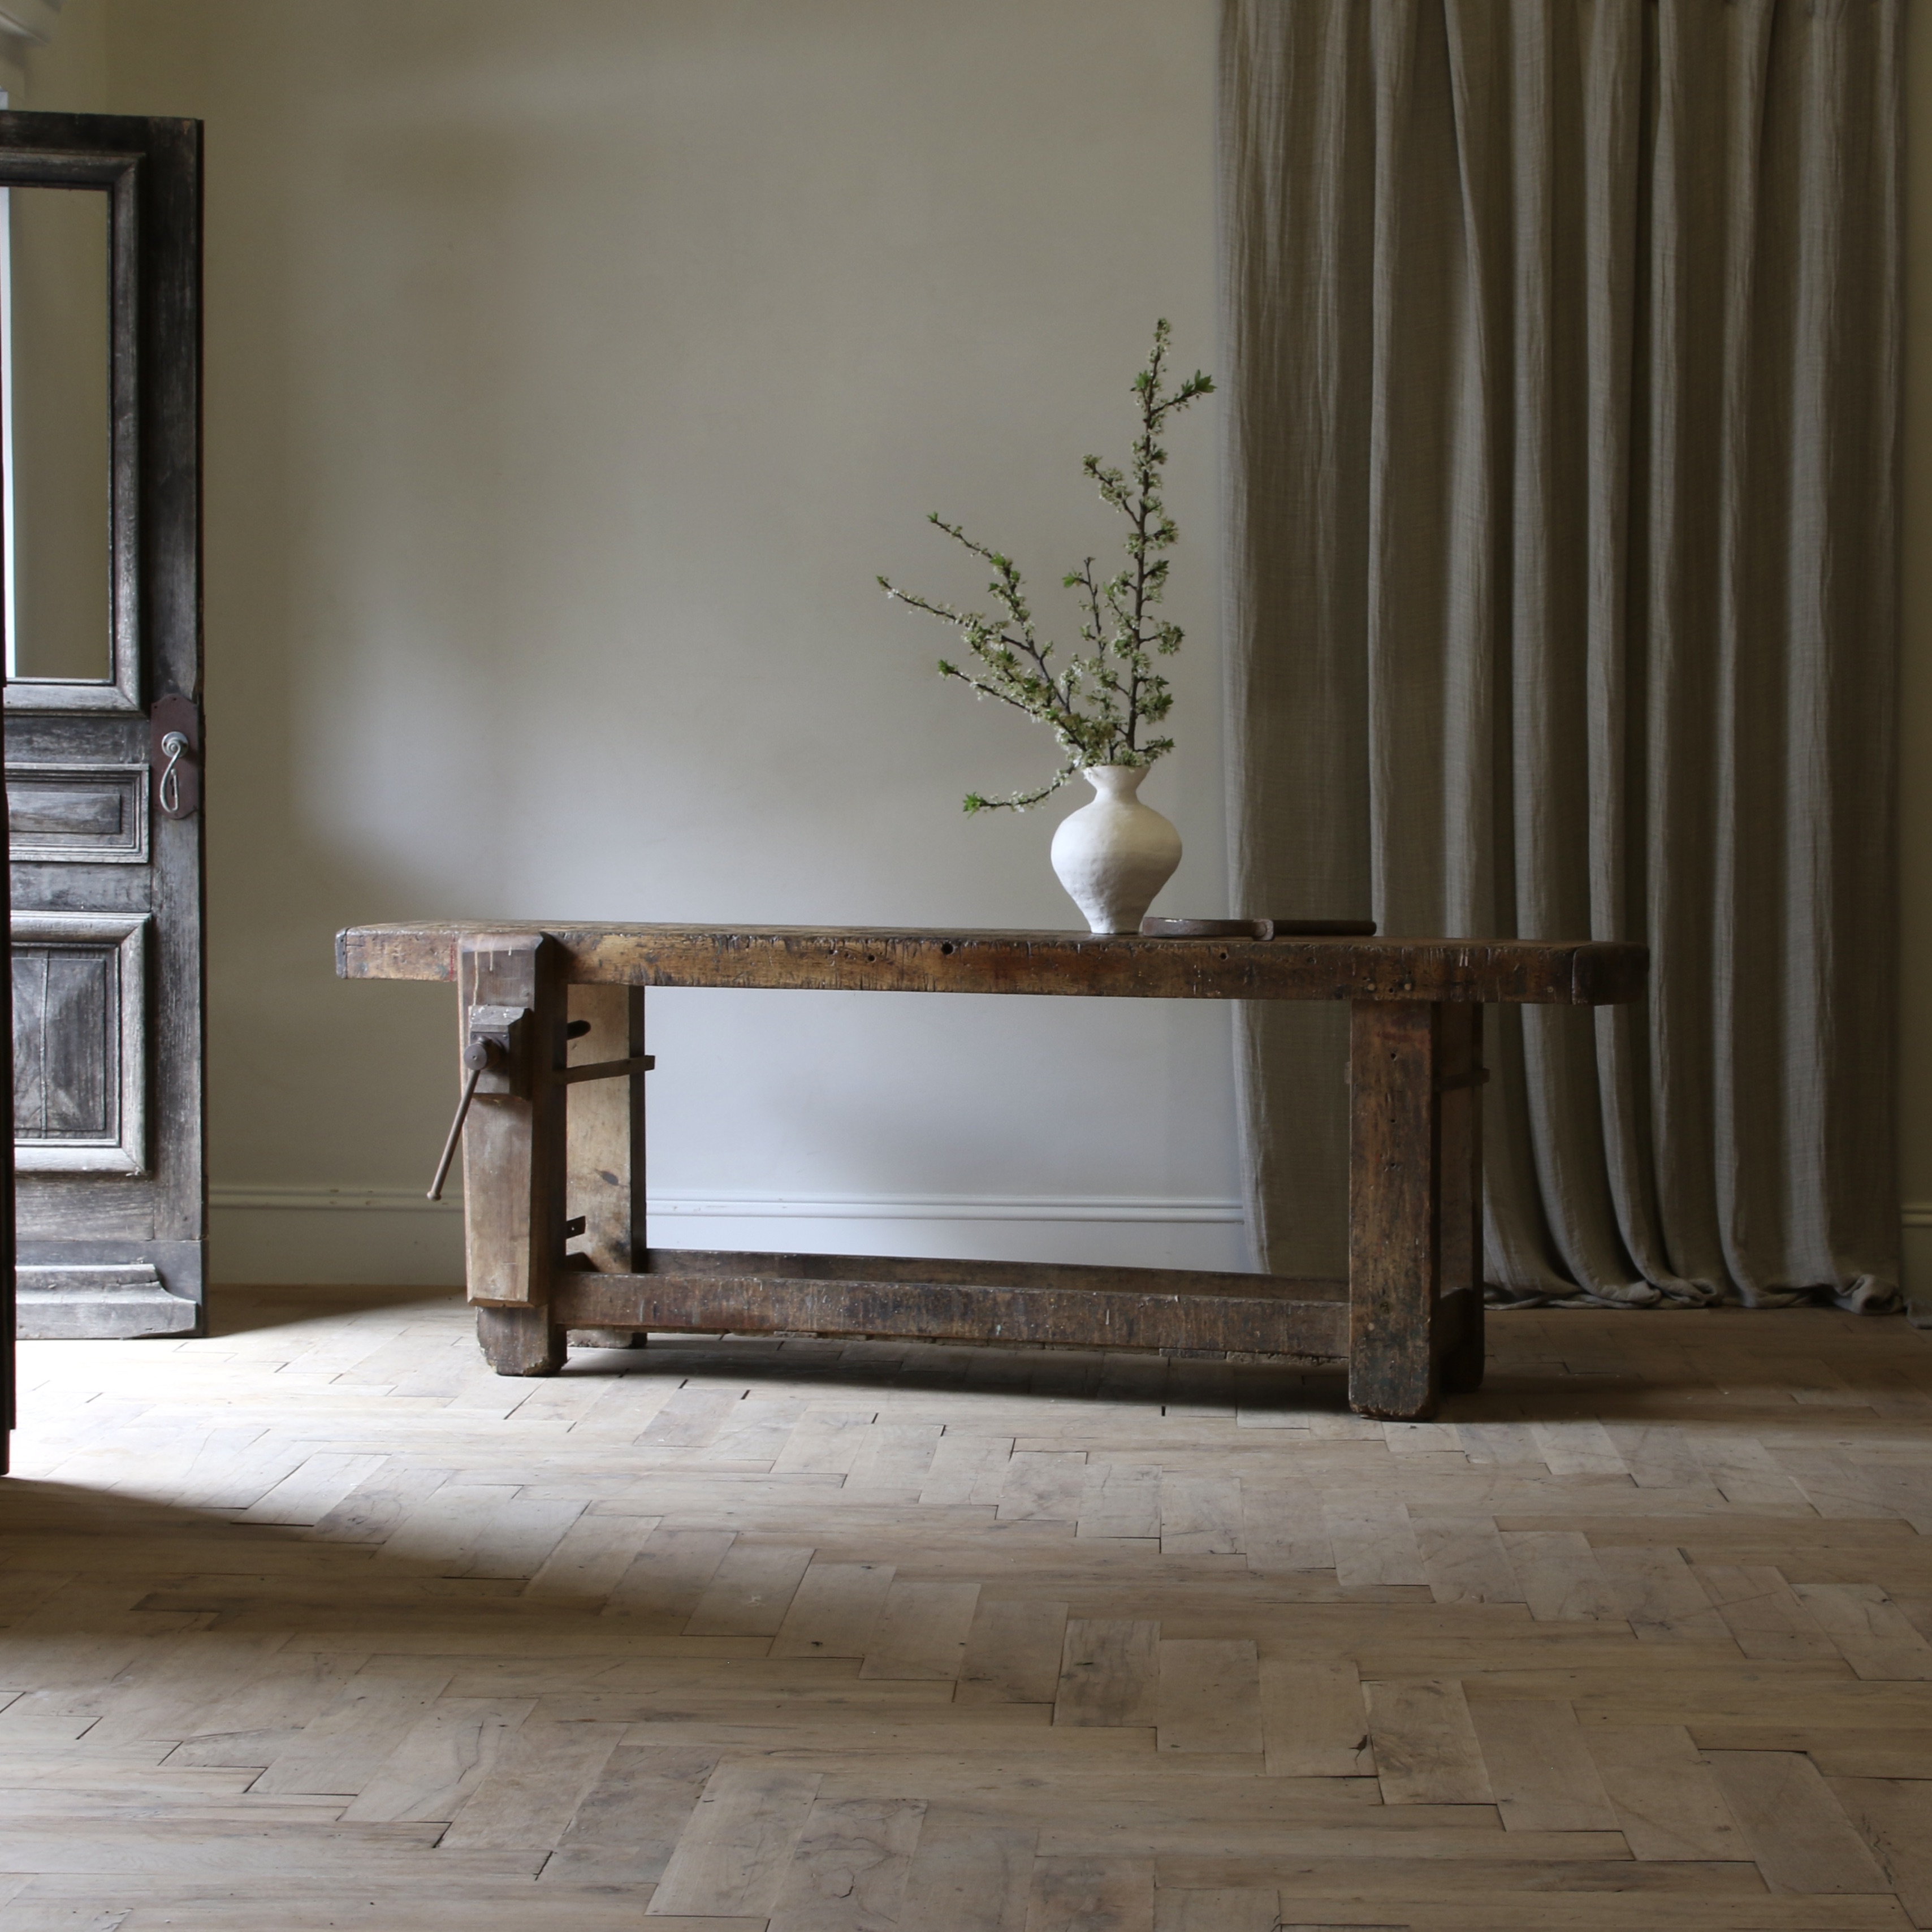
point(174, 746)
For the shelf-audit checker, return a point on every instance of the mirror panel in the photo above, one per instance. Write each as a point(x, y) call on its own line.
point(55, 444)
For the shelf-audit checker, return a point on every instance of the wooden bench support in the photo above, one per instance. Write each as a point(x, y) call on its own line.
point(703, 1292)
point(554, 1177)
point(521, 1341)
point(604, 1163)
point(1415, 1206)
point(513, 1151)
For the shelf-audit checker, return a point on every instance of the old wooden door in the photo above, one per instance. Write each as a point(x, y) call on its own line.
point(100, 450)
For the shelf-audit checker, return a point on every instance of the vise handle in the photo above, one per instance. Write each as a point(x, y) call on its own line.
point(490, 1047)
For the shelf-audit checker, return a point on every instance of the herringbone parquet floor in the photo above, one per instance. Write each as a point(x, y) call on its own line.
point(315, 1623)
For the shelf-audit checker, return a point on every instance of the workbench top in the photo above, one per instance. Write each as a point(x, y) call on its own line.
point(968, 960)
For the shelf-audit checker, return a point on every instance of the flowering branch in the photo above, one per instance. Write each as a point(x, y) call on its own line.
point(1098, 706)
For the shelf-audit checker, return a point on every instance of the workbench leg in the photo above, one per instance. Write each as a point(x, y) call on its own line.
point(513, 1151)
point(1415, 1205)
point(604, 1165)
point(519, 1341)
point(1459, 1087)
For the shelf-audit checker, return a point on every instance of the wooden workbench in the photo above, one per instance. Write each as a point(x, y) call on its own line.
point(554, 1188)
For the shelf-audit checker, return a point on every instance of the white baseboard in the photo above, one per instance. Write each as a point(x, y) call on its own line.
point(807, 1206)
point(395, 1237)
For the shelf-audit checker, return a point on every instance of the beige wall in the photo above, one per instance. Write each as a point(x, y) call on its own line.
point(571, 369)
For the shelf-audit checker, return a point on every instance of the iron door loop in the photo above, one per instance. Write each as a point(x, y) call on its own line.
point(175, 724)
point(173, 744)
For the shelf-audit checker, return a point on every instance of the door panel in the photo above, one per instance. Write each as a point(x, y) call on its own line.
point(96, 815)
point(100, 534)
point(80, 1032)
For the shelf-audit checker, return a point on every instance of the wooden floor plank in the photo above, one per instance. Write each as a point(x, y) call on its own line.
point(1578, 1447)
point(1870, 1632)
point(1426, 1749)
point(1893, 1817)
point(1109, 1672)
point(626, 1827)
point(750, 1591)
point(444, 1756)
point(1373, 1541)
point(1464, 1561)
point(1540, 1768)
point(922, 1630)
point(313, 1488)
point(1200, 1515)
point(1283, 1529)
point(1087, 1894)
point(541, 1774)
point(966, 1468)
point(342, 1750)
point(1744, 1472)
point(1422, 1881)
point(690, 1419)
point(1560, 1577)
point(1047, 1487)
point(896, 1456)
point(1121, 1499)
point(590, 1559)
point(1314, 1722)
point(732, 1858)
point(669, 1575)
point(834, 1611)
point(1013, 1651)
point(1666, 1798)
point(971, 1871)
point(1208, 1695)
point(1796, 1829)
point(1657, 1591)
point(1763, 1614)
point(848, 1871)
point(1223, 1909)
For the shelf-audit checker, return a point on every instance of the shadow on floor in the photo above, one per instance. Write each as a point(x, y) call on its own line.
point(143, 1567)
point(243, 1310)
point(1543, 1366)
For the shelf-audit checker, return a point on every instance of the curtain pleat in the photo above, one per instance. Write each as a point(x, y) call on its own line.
point(1562, 338)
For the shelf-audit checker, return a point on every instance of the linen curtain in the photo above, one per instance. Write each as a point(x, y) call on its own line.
point(1562, 337)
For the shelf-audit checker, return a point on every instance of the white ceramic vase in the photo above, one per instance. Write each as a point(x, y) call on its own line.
point(1115, 854)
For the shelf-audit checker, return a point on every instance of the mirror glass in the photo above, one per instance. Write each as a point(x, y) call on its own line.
point(54, 452)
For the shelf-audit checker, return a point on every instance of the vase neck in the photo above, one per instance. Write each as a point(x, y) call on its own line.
point(1115, 782)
